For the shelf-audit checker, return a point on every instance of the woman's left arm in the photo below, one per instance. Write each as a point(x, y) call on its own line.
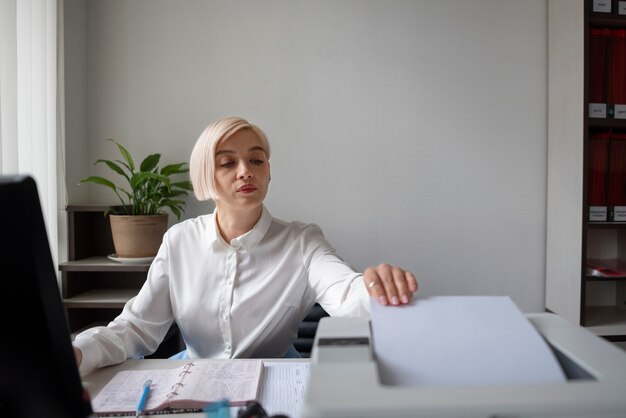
point(390, 284)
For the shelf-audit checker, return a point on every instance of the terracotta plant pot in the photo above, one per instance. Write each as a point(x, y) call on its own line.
point(137, 236)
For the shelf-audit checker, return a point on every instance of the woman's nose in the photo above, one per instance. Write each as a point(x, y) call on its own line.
point(244, 171)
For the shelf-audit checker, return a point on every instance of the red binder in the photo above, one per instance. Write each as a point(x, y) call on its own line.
point(598, 44)
point(616, 74)
point(617, 170)
point(598, 160)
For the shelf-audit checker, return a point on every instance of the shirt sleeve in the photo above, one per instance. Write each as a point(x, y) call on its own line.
point(139, 329)
point(338, 287)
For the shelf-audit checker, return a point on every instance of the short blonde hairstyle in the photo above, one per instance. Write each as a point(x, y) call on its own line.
point(202, 160)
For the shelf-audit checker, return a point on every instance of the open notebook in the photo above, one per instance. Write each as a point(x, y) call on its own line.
point(39, 376)
point(190, 387)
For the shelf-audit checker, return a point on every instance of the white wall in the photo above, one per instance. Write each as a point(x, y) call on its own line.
point(412, 132)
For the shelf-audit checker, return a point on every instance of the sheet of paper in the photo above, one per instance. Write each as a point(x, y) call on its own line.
point(284, 384)
point(215, 380)
point(460, 340)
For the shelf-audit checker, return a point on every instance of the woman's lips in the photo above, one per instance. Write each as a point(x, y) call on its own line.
point(246, 188)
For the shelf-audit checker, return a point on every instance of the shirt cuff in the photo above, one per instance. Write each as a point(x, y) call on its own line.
point(88, 348)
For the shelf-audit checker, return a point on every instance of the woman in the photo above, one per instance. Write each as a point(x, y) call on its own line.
point(237, 281)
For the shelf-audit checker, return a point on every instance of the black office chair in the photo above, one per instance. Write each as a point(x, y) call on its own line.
point(307, 329)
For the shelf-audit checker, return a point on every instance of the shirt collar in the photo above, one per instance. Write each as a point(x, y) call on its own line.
point(247, 240)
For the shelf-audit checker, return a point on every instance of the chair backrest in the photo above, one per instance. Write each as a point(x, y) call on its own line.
point(307, 329)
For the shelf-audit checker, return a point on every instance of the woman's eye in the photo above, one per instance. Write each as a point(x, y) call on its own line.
point(227, 164)
point(257, 162)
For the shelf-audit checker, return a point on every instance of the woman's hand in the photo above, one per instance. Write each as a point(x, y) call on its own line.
point(390, 284)
point(78, 354)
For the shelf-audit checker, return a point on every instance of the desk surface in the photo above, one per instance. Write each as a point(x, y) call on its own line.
point(95, 381)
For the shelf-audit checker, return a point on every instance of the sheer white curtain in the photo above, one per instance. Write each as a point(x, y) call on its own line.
point(29, 104)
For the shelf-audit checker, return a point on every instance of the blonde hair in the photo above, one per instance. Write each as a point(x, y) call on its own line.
point(202, 160)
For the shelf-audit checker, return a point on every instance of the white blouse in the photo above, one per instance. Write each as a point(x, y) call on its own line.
point(243, 299)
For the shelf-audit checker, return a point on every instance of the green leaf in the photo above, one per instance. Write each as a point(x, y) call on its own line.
point(175, 193)
point(113, 167)
point(172, 169)
point(150, 162)
point(176, 211)
point(185, 185)
point(99, 180)
point(126, 155)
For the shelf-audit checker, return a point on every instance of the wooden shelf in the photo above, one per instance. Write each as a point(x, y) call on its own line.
point(606, 225)
point(606, 20)
point(101, 298)
point(593, 279)
point(94, 287)
point(606, 123)
point(101, 263)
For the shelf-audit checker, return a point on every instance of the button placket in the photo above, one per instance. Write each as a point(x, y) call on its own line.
point(227, 301)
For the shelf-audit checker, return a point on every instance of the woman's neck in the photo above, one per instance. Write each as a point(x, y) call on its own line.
point(235, 223)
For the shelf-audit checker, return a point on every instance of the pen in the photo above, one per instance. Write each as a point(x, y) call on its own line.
point(144, 396)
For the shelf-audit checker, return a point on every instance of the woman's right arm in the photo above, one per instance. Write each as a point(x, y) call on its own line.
point(138, 330)
point(78, 354)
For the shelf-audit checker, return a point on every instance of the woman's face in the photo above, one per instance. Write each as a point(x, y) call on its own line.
point(242, 170)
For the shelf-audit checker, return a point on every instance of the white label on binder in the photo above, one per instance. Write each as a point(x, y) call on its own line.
point(597, 213)
point(619, 213)
point(603, 6)
point(621, 7)
point(620, 111)
point(597, 110)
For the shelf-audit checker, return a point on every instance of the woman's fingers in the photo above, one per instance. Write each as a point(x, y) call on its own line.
point(390, 284)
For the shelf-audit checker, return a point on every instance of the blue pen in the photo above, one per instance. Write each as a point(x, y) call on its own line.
point(144, 397)
point(219, 409)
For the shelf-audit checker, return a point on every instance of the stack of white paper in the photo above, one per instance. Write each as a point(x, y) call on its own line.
point(460, 340)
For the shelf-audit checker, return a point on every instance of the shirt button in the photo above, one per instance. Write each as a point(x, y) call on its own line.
point(225, 316)
point(227, 347)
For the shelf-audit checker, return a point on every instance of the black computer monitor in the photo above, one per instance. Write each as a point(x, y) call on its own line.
point(38, 372)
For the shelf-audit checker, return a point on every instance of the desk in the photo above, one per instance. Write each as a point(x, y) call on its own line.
point(344, 382)
point(95, 381)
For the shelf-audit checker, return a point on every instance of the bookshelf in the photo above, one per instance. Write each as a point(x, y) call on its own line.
point(93, 287)
point(574, 238)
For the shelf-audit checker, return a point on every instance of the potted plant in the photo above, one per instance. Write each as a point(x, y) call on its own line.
point(138, 224)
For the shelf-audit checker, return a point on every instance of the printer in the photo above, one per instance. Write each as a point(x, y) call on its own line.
point(344, 380)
